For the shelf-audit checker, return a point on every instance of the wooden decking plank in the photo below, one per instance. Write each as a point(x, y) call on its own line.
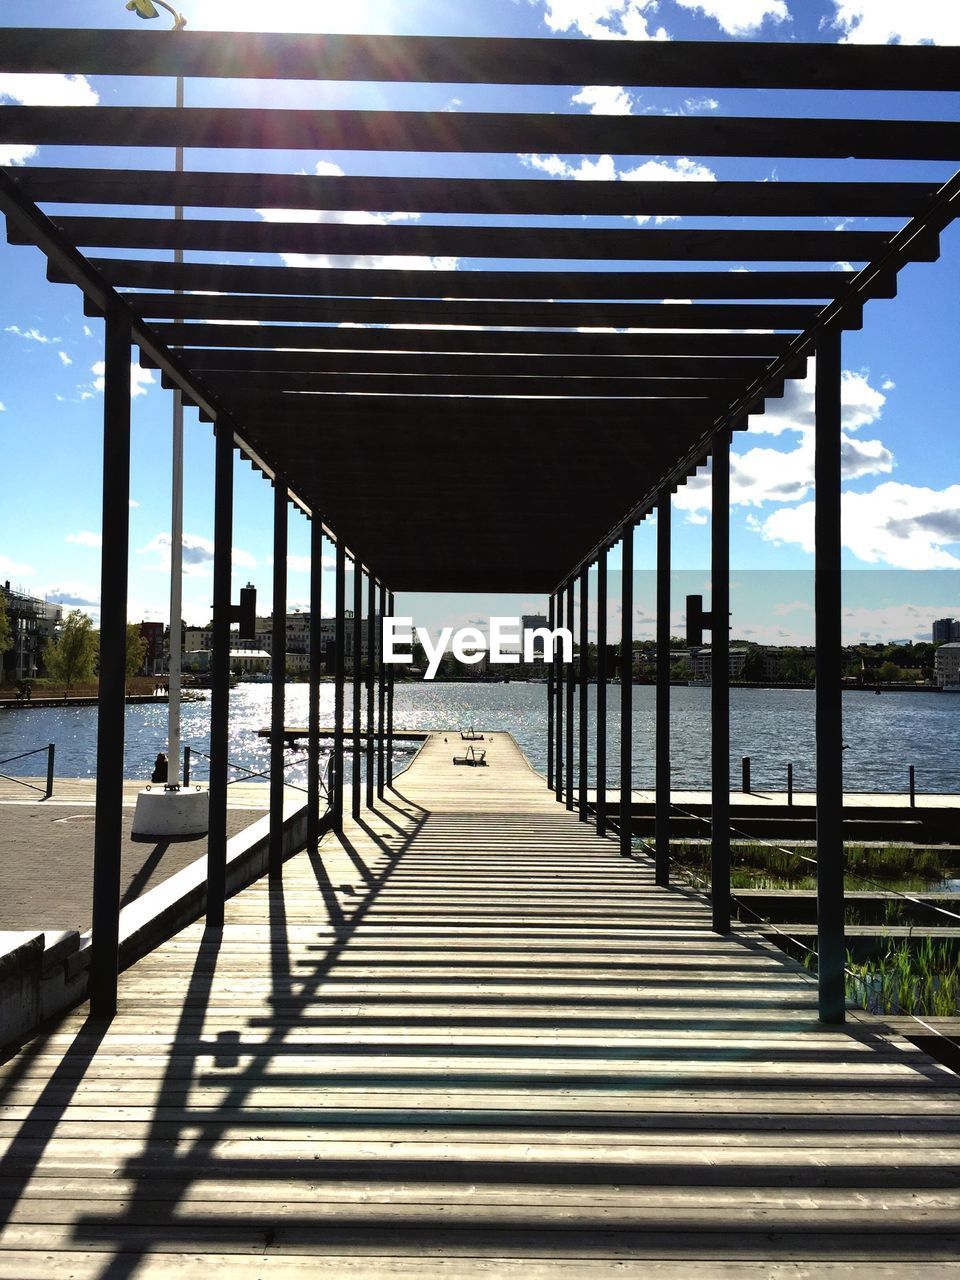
point(489, 1047)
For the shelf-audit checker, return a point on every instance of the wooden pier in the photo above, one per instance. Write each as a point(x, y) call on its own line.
point(468, 1039)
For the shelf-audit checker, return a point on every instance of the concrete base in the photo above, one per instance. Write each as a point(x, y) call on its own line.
point(171, 813)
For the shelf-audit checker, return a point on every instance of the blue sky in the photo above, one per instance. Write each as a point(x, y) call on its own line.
point(902, 489)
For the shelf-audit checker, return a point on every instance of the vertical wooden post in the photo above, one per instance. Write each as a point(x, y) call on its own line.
point(339, 668)
point(626, 696)
point(220, 675)
point(559, 682)
point(571, 684)
point(111, 705)
point(601, 747)
point(357, 755)
point(381, 696)
point(371, 649)
point(720, 687)
point(829, 695)
point(583, 713)
point(391, 604)
point(278, 672)
point(551, 690)
point(313, 694)
point(663, 783)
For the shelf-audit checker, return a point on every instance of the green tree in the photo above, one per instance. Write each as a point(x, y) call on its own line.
point(6, 636)
point(71, 657)
point(681, 670)
point(136, 649)
point(753, 664)
point(888, 671)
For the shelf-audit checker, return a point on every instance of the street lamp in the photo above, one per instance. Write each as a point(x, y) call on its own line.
point(172, 812)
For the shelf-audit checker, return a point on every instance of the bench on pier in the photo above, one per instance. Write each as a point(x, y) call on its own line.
point(470, 735)
point(473, 757)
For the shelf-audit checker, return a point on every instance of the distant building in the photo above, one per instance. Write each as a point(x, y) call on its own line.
point(946, 665)
point(198, 639)
point(153, 633)
point(245, 660)
point(946, 630)
point(33, 623)
point(532, 622)
point(701, 661)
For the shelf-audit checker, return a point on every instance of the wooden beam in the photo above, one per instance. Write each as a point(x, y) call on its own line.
point(734, 368)
point(414, 407)
point(466, 340)
point(599, 244)
point(518, 196)
point(246, 128)
point(542, 284)
point(378, 311)
point(475, 59)
point(302, 387)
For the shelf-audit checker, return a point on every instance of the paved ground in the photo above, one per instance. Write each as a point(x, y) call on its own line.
point(46, 857)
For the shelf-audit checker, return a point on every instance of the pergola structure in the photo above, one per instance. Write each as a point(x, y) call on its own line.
point(565, 400)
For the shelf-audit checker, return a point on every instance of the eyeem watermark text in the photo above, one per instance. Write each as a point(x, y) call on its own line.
point(470, 645)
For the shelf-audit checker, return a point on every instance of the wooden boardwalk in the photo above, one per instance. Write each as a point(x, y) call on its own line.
point(468, 1039)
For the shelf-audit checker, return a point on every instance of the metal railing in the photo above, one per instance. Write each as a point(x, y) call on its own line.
point(50, 751)
point(246, 774)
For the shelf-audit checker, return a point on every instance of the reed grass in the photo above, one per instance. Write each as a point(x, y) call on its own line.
point(919, 978)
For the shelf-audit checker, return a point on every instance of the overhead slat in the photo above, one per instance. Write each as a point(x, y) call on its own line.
point(489, 341)
point(544, 284)
point(611, 243)
point(718, 315)
point(502, 196)
point(583, 410)
point(475, 132)
point(252, 384)
point(731, 368)
point(472, 59)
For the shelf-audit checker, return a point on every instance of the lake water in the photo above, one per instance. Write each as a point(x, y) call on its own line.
point(884, 734)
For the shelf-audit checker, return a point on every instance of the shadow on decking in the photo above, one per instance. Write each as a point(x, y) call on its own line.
point(473, 1159)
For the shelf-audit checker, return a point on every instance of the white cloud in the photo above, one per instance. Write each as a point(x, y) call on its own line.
point(693, 105)
point(894, 22)
point(740, 17)
point(48, 90)
point(605, 100)
point(133, 503)
point(85, 538)
point(762, 474)
point(41, 91)
point(903, 525)
point(605, 19)
point(140, 379)
point(3, 407)
point(32, 335)
point(600, 170)
point(13, 568)
point(298, 564)
point(65, 359)
point(603, 169)
point(87, 331)
point(682, 169)
point(197, 554)
point(354, 217)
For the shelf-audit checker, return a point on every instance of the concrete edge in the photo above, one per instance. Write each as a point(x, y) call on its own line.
point(44, 973)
